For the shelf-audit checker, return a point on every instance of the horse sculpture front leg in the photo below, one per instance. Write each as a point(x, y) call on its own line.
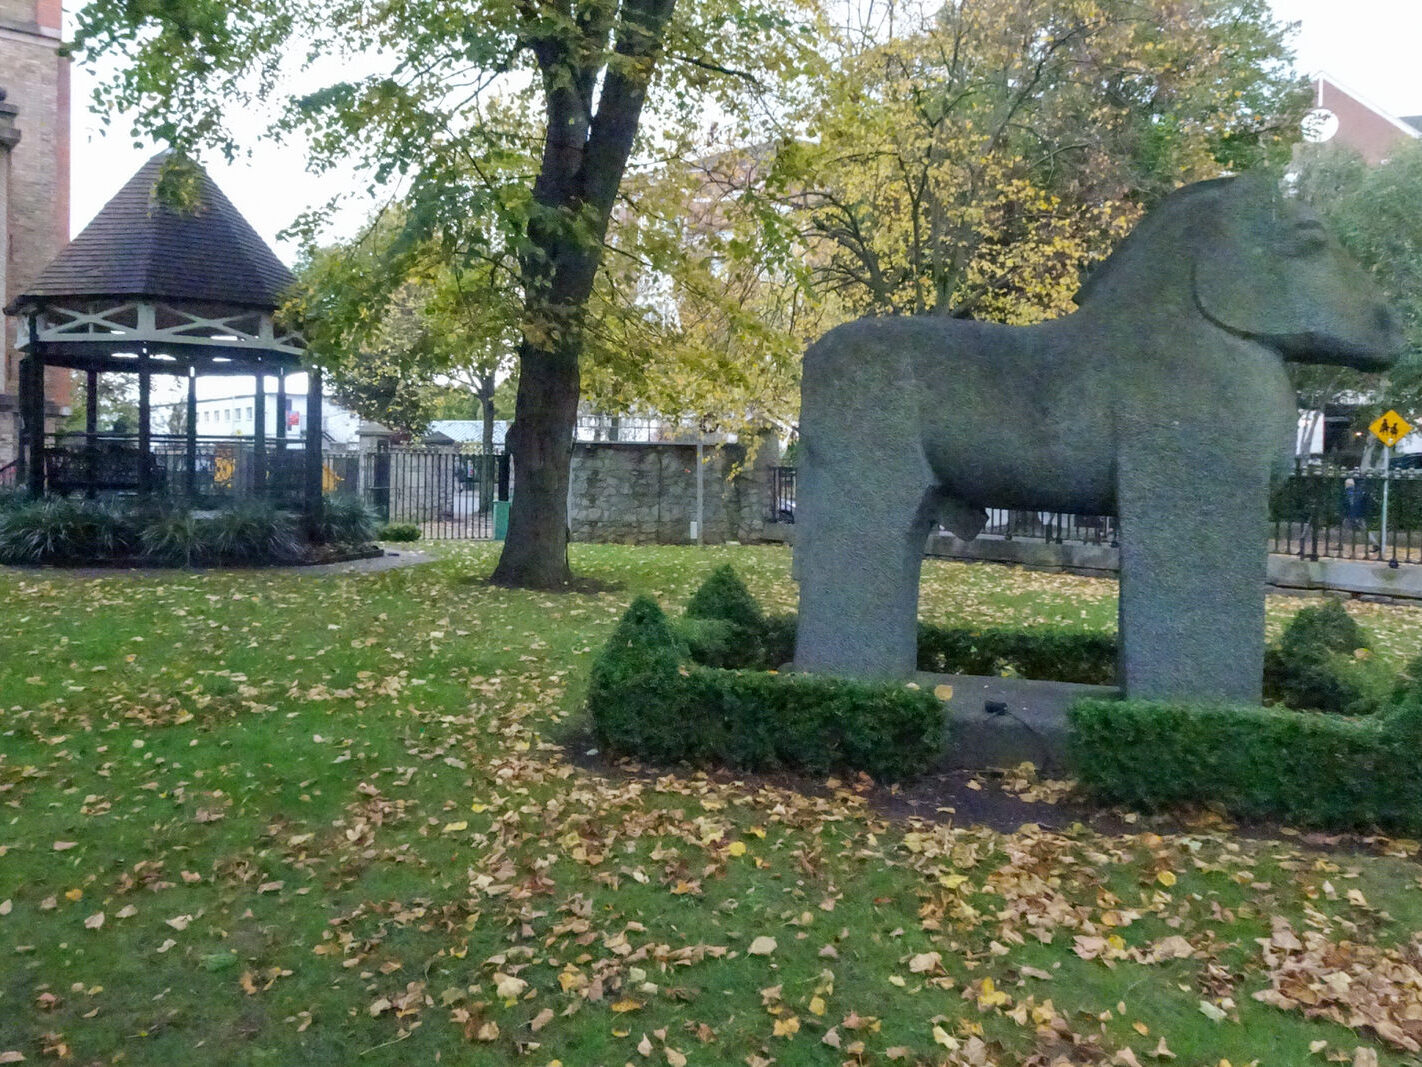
point(860, 530)
point(1193, 570)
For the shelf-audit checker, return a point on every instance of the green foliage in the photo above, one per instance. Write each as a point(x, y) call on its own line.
point(175, 537)
point(1323, 662)
point(12, 497)
point(1373, 212)
point(341, 519)
point(647, 702)
point(398, 531)
point(1052, 653)
point(636, 693)
point(64, 530)
point(972, 158)
point(1317, 770)
point(251, 532)
point(724, 596)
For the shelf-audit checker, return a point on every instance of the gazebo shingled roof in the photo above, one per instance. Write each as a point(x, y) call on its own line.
point(138, 247)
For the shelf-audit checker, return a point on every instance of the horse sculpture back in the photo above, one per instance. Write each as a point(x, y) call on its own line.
point(1162, 400)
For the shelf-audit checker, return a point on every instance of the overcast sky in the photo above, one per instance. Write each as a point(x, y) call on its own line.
point(1371, 46)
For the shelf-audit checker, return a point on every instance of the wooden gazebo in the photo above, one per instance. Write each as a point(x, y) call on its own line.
point(146, 289)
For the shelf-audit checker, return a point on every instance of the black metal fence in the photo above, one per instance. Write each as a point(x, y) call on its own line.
point(1335, 513)
point(224, 468)
point(1315, 514)
point(448, 493)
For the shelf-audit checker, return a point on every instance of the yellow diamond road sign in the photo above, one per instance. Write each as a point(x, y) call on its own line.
point(1390, 428)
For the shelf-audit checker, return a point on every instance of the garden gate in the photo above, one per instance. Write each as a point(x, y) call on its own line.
point(449, 493)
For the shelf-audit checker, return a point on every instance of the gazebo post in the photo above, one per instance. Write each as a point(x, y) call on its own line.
point(145, 418)
point(91, 429)
point(33, 410)
point(259, 435)
point(313, 442)
point(191, 472)
point(283, 473)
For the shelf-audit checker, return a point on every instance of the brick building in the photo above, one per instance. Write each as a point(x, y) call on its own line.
point(34, 178)
point(1344, 116)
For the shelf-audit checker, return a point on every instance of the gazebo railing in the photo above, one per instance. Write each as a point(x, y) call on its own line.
point(206, 472)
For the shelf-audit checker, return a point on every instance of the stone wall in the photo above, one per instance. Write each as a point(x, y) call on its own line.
point(36, 81)
point(645, 494)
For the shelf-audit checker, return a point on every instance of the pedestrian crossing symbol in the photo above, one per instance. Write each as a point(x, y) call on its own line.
point(1390, 428)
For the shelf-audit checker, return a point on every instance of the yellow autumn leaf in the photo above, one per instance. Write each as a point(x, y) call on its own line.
point(943, 692)
point(454, 827)
point(736, 848)
point(625, 1005)
point(1166, 878)
point(817, 1005)
point(787, 1027)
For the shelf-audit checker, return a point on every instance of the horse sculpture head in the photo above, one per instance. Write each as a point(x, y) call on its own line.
point(1260, 266)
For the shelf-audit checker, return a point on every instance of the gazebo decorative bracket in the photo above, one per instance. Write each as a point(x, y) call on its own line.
point(155, 325)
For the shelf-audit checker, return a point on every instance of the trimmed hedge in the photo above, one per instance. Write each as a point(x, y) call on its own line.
point(1044, 652)
point(724, 627)
point(398, 531)
point(1318, 770)
point(647, 701)
point(1315, 665)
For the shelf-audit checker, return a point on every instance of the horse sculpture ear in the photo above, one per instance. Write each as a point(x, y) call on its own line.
point(1242, 276)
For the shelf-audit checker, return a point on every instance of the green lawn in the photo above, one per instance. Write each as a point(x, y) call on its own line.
point(280, 818)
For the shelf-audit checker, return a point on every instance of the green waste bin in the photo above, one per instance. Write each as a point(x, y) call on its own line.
point(501, 519)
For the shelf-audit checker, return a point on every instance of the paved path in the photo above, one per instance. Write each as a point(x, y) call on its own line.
point(393, 559)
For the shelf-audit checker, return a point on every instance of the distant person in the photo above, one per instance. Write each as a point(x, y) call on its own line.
point(1355, 512)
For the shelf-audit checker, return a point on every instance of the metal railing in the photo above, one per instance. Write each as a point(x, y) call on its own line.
point(1317, 515)
point(218, 470)
point(1310, 516)
point(448, 493)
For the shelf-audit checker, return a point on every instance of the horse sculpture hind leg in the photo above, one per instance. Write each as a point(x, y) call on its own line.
point(865, 499)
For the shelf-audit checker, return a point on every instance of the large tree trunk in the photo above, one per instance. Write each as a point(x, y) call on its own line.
point(535, 552)
point(584, 157)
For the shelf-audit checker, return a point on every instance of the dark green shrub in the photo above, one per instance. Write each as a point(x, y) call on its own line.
point(1319, 770)
point(64, 530)
point(636, 694)
point(12, 497)
point(724, 596)
point(646, 702)
point(340, 520)
point(175, 537)
point(1051, 653)
point(1327, 627)
point(251, 532)
point(1322, 662)
point(398, 531)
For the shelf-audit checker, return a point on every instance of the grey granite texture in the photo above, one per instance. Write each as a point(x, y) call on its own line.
point(1162, 400)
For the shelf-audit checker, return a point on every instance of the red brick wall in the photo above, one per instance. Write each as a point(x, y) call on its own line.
point(1360, 126)
point(36, 81)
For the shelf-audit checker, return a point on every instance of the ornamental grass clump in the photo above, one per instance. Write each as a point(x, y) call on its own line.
point(340, 520)
point(177, 538)
point(64, 530)
point(251, 532)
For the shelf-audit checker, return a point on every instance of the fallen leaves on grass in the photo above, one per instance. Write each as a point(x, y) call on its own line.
point(1357, 985)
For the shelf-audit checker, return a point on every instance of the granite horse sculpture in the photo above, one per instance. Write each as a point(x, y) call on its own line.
point(1163, 400)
